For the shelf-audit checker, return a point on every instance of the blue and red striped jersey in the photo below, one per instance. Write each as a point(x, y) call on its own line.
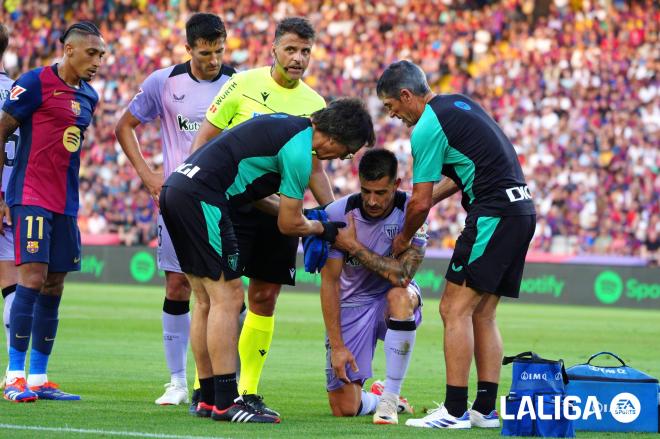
point(53, 117)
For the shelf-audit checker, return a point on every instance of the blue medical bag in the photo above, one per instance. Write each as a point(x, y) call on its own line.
point(627, 398)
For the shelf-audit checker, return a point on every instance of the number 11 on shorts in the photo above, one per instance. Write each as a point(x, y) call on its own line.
point(40, 224)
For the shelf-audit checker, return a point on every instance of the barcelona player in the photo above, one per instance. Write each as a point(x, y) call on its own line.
point(8, 274)
point(52, 106)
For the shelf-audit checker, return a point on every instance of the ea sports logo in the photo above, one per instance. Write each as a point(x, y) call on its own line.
point(625, 407)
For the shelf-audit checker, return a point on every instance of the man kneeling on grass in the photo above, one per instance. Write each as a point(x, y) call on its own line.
point(367, 295)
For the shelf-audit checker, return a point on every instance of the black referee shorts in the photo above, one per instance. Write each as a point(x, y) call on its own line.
point(490, 253)
point(202, 234)
point(268, 255)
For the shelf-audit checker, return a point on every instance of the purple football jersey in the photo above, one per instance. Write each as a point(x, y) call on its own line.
point(359, 285)
point(181, 101)
point(10, 147)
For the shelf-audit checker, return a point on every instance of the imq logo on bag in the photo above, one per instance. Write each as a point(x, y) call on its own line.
point(528, 376)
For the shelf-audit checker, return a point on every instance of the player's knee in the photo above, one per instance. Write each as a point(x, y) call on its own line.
point(263, 300)
point(32, 278)
point(344, 407)
point(401, 303)
point(177, 288)
point(484, 317)
point(235, 294)
point(53, 287)
point(451, 310)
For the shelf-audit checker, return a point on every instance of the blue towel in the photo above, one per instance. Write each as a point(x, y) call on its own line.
point(315, 249)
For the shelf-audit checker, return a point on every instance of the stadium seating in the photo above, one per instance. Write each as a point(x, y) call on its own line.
point(574, 86)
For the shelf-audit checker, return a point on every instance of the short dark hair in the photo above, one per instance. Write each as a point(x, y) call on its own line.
point(208, 27)
point(400, 75)
point(378, 163)
point(346, 121)
point(80, 28)
point(4, 39)
point(295, 25)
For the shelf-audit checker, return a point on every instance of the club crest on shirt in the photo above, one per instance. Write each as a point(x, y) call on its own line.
point(32, 246)
point(232, 260)
point(75, 107)
point(352, 261)
point(391, 230)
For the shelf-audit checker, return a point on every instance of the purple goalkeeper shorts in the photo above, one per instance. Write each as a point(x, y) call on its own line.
point(361, 327)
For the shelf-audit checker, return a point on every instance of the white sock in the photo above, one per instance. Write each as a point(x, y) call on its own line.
point(36, 379)
point(398, 346)
point(5, 315)
point(13, 374)
point(176, 331)
point(369, 403)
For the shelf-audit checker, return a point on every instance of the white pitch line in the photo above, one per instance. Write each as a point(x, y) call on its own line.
point(104, 432)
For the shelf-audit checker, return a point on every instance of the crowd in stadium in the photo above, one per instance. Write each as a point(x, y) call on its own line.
point(575, 87)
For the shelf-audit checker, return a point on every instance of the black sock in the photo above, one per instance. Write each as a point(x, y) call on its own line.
point(226, 390)
point(486, 397)
point(206, 386)
point(456, 400)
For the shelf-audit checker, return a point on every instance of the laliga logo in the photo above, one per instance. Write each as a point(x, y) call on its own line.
point(624, 408)
point(561, 409)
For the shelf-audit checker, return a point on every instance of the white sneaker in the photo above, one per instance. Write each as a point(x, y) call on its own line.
point(386, 411)
point(440, 418)
point(175, 394)
point(403, 406)
point(491, 420)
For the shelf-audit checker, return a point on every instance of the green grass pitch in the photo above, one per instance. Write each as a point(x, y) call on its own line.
point(109, 350)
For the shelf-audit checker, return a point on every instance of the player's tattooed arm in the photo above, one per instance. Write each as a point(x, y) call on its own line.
point(399, 272)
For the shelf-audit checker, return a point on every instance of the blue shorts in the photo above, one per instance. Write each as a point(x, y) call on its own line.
point(41, 235)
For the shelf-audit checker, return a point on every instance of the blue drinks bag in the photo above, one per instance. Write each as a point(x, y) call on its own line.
point(627, 397)
point(536, 384)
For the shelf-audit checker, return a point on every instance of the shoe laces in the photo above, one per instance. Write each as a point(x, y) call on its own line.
point(436, 409)
point(18, 382)
point(171, 385)
point(389, 406)
point(50, 385)
point(256, 401)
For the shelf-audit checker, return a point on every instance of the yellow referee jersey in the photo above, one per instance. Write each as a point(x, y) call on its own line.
point(253, 92)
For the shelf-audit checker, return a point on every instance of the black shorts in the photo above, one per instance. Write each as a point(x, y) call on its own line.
point(267, 254)
point(490, 253)
point(202, 234)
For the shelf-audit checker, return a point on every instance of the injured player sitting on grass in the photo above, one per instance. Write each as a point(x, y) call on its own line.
point(366, 295)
